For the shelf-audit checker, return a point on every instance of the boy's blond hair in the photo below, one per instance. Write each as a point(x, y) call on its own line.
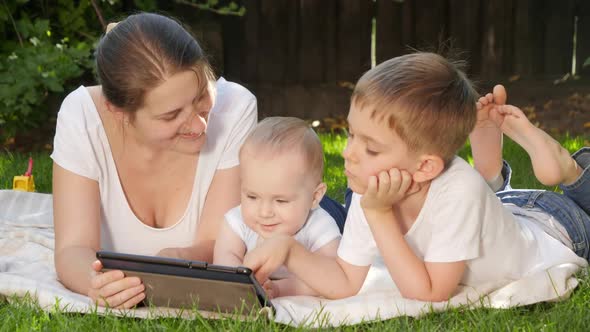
point(426, 99)
point(278, 135)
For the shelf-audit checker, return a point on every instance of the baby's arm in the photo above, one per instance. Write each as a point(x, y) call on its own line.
point(229, 247)
point(295, 286)
point(329, 277)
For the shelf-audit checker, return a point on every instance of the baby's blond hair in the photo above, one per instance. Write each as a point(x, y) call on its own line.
point(426, 99)
point(278, 135)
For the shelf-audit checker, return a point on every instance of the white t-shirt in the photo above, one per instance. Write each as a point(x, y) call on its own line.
point(319, 230)
point(462, 219)
point(81, 146)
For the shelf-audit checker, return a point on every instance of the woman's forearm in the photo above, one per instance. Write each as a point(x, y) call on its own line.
point(74, 268)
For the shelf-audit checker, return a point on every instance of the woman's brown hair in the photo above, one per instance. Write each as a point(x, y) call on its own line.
point(140, 52)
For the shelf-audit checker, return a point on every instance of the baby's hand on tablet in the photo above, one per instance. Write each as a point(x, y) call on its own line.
point(271, 289)
point(268, 257)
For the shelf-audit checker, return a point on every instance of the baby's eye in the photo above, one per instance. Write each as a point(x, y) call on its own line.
point(282, 201)
point(250, 196)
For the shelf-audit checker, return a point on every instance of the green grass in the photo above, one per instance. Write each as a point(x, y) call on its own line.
point(571, 314)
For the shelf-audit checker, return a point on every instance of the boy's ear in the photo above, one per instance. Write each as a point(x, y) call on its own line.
point(318, 194)
point(429, 167)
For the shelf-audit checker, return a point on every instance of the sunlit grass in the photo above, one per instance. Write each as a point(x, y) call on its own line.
point(568, 315)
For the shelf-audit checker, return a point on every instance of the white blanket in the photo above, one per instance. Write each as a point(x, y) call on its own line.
point(26, 267)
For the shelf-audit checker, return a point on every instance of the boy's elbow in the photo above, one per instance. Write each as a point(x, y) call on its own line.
point(428, 297)
point(341, 294)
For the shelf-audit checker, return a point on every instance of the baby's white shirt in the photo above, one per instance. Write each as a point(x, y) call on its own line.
point(319, 230)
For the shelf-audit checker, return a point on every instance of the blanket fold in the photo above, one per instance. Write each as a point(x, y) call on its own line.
point(26, 267)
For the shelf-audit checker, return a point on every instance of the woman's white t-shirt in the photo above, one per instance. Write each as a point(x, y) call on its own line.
point(81, 146)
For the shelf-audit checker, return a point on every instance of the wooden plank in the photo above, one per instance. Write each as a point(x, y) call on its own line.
point(292, 43)
point(331, 46)
point(354, 38)
point(233, 34)
point(272, 41)
point(583, 37)
point(250, 64)
point(431, 26)
point(559, 19)
point(537, 56)
point(496, 47)
point(465, 32)
point(389, 34)
point(312, 50)
point(524, 43)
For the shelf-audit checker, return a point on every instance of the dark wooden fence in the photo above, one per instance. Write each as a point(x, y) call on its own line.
point(301, 57)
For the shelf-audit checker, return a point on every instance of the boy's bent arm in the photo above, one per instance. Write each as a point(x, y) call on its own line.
point(329, 277)
point(414, 278)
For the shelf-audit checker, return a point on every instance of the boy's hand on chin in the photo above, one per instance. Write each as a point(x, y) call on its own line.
point(386, 189)
point(268, 257)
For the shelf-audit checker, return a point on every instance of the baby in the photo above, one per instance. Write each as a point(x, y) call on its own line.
point(281, 165)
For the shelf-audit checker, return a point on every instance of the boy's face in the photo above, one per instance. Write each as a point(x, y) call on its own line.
point(277, 196)
point(372, 147)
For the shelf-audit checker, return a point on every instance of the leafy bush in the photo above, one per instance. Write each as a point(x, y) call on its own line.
point(32, 71)
point(46, 48)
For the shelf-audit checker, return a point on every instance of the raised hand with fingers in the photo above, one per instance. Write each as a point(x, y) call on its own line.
point(386, 189)
point(112, 289)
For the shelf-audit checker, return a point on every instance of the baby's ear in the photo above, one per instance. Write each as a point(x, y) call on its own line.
point(429, 167)
point(318, 194)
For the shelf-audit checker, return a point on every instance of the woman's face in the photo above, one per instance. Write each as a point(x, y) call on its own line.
point(174, 115)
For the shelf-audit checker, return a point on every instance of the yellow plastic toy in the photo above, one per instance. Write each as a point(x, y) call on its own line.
point(25, 182)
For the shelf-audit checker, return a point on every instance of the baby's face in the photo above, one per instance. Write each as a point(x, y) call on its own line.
point(277, 194)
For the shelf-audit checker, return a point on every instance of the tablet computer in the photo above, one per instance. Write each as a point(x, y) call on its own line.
point(179, 283)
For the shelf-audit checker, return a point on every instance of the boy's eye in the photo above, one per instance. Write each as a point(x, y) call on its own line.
point(250, 196)
point(372, 153)
point(282, 201)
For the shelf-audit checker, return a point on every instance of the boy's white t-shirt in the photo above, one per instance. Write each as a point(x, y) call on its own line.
point(319, 230)
point(81, 146)
point(462, 219)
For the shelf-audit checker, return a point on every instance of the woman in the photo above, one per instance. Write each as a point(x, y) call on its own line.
point(147, 162)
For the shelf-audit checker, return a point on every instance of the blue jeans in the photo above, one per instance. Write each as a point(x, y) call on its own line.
point(571, 209)
point(336, 210)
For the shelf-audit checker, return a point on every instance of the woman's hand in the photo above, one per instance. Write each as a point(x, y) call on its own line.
point(112, 289)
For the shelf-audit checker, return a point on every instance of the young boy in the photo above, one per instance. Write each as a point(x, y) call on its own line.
point(430, 215)
point(281, 167)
